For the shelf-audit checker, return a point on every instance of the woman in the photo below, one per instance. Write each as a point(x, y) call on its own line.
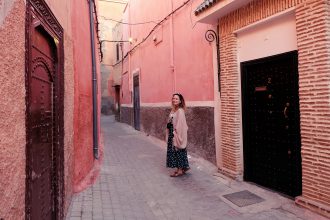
point(176, 134)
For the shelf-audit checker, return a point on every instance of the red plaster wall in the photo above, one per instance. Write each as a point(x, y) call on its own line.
point(192, 56)
point(12, 114)
point(125, 97)
point(83, 92)
point(83, 122)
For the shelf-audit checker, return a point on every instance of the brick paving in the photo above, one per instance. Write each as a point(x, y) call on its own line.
point(134, 184)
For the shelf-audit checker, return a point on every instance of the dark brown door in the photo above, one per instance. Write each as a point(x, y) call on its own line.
point(117, 102)
point(271, 123)
point(41, 125)
point(44, 121)
point(136, 100)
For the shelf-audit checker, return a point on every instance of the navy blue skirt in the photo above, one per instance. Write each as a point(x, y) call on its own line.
point(175, 158)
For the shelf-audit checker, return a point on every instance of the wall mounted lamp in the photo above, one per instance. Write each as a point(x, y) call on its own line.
point(210, 36)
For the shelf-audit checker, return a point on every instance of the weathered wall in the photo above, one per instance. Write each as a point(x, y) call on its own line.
point(153, 120)
point(125, 96)
point(200, 122)
point(83, 107)
point(83, 92)
point(201, 132)
point(68, 120)
point(5, 8)
point(12, 110)
point(313, 31)
point(126, 115)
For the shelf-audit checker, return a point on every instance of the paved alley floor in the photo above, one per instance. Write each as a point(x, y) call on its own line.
point(134, 184)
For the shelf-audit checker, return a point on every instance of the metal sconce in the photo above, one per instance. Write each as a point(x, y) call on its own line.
point(210, 36)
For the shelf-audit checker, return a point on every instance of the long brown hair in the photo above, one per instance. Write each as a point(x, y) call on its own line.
point(182, 103)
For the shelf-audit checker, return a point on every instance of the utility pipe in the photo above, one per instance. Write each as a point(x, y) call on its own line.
point(172, 48)
point(94, 80)
point(130, 84)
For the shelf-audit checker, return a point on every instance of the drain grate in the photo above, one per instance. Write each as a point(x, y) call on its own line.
point(243, 198)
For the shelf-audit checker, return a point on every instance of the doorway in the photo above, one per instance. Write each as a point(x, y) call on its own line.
point(271, 123)
point(44, 121)
point(136, 102)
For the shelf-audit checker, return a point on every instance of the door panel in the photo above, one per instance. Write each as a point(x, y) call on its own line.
point(136, 103)
point(41, 122)
point(271, 123)
point(44, 122)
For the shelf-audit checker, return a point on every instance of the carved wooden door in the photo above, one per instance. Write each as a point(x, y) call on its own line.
point(42, 162)
point(45, 109)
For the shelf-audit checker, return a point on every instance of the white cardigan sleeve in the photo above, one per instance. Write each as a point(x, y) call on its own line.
point(180, 130)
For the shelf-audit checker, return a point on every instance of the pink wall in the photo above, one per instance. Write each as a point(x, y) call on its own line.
point(12, 112)
point(83, 121)
point(77, 102)
point(191, 57)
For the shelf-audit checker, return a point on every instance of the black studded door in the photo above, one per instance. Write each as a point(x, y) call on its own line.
point(271, 123)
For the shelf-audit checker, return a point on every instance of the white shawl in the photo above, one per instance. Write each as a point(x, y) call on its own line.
point(180, 129)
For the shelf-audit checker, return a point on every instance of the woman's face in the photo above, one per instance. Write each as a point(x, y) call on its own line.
point(175, 100)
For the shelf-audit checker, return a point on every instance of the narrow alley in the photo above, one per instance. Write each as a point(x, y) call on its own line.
point(100, 97)
point(134, 184)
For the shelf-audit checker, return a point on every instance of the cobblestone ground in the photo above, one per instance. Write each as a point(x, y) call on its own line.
point(134, 184)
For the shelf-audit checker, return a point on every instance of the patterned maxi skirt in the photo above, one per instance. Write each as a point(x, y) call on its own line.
point(175, 158)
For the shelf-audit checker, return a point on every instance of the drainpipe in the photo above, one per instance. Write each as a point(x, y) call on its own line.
point(94, 80)
point(130, 83)
point(172, 49)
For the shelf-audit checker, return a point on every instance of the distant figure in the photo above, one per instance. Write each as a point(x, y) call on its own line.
point(176, 135)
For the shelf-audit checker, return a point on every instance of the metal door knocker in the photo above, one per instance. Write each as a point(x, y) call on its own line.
point(285, 111)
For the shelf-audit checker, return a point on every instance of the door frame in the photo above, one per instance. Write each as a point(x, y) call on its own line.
point(245, 131)
point(46, 20)
point(137, 124)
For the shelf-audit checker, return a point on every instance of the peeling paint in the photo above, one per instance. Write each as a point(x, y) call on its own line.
point(5, 8)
